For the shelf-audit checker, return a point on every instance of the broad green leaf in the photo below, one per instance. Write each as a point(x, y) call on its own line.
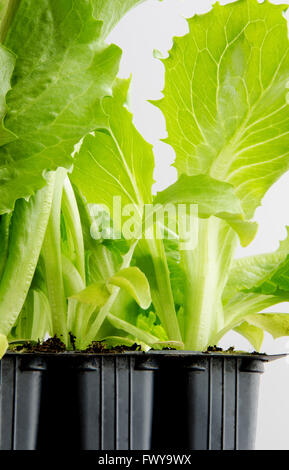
point(110, 12)
point(3, 345)
point(7, 62)
point(212, 197)
point(264, 273)
point(277, 324)
point(134, 281)
point(115, 161)
point(62, 71)
point(225, 97)
point(252, 333)
point(96, 294)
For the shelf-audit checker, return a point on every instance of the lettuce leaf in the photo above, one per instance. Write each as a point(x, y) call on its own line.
point(225, 97)
point(255, 283)
point(260, 273)
point(226, 108)
point(7, 62)
point(62, 71)
point(277, 324)
point(252, 333)
point(115, 161)
point(212, 197)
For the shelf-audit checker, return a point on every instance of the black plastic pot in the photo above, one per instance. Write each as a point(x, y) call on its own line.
point(131, 401)
point(20, 396)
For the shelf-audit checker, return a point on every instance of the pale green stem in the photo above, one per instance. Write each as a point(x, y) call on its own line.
point(161, 291)
point(73, 226)
point(8, 10)
point(51, 253)
point(86, 337)
point(28, 226)
point(141, 335)
point(206, 269)
point(4, 240)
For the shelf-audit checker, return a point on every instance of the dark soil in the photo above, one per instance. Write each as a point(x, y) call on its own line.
point(214, 349)
point(51, 345)
point(55, 345)
point(231, 350)
point(72, 340)
point(100, 347)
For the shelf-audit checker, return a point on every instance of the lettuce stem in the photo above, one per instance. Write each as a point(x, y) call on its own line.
point(136, 332)
point(51, 253)
point(73, 226)
point(7, 12)
point(153, 262)
point(206, 268)
point(85, 332)
point(28, 226)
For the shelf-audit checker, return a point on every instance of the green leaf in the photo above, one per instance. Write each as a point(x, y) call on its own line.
point(3, 345)
point(265, 273)
point(137, 333)
point(252, 333)
point(212, 197)
point(149, 323)
point(277, 283)
point(63, 69)
point(225, 97)
point(110, 12)
point(134, 281)
point(7, 62)
point(116, 160)
point(96, 294)
point(277, 324)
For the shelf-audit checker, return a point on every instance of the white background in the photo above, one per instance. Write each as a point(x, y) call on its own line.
point(150, 27)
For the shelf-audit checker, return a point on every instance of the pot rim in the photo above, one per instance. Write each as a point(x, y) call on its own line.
point(147, 354)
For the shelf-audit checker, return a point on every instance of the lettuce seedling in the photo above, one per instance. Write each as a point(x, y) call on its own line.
point(55, 70)
point(225, 104)
point(68, 145)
